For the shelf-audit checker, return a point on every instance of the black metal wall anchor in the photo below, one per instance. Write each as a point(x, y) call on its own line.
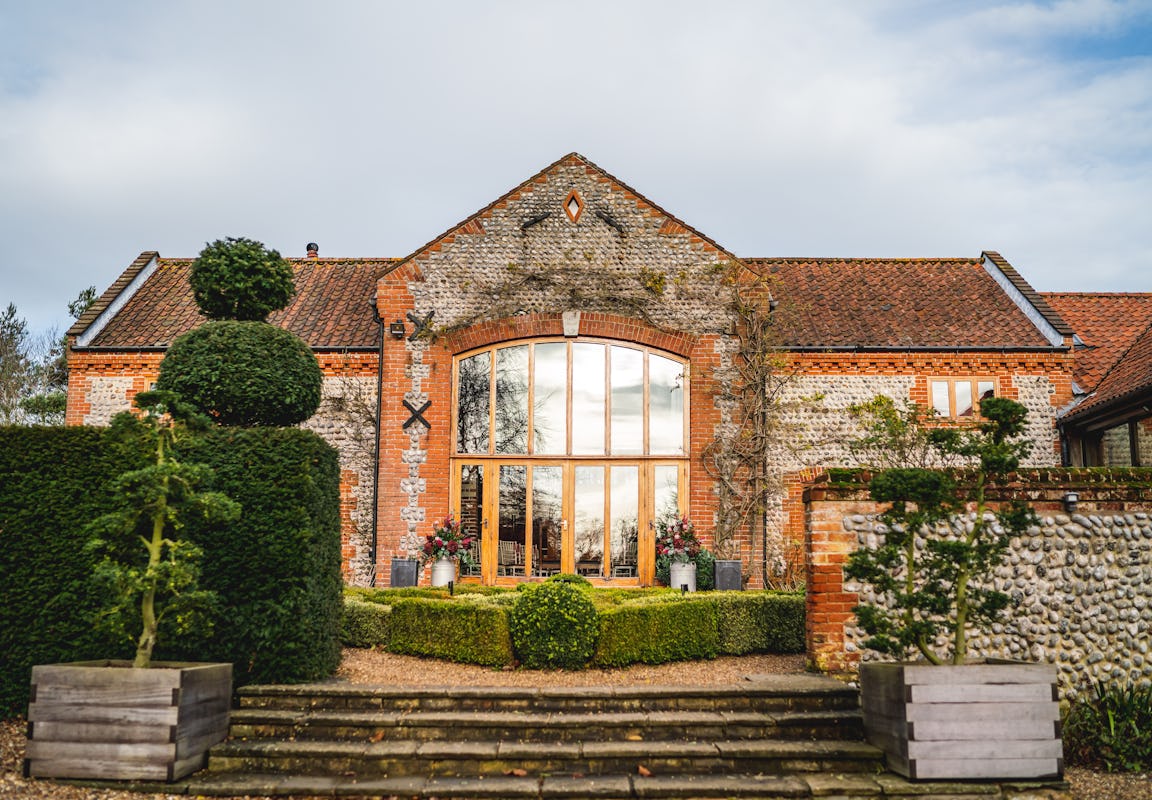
point(421, 326)
point(417, 415)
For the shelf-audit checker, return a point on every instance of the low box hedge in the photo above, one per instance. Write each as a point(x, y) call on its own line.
point(655, 632)
point(365, 624)
point(466, 631)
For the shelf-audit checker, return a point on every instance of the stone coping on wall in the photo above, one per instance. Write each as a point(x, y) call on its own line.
point(1106, 488)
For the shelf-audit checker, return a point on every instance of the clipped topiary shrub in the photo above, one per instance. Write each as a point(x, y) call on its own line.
point(570, 578)
point(365, 624)
point(657, 630)
point(240, 279)
point(554, 625)
point(760, 622)
point(244, 373)
point(456, 630)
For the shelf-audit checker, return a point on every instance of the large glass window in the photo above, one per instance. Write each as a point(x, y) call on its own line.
point(570, 398)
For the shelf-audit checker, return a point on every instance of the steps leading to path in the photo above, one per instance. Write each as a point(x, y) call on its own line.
point(781, 736)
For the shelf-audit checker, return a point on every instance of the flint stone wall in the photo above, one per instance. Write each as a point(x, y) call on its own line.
point(1080, 583)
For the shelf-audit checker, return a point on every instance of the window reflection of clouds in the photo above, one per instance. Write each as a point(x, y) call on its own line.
point(550, 412)
point(587, 398)
point(589, 507)
point(627, 401)
point(665, 406)
point(625, 511)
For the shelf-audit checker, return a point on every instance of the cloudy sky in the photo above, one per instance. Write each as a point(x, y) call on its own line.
point(778, 128)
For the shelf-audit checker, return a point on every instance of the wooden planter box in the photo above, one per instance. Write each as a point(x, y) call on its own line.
point(107, 720)
point(977, 721)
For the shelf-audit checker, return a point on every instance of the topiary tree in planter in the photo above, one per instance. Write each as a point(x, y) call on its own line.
point(932, 575)
point(151, 588)
point(238, 369)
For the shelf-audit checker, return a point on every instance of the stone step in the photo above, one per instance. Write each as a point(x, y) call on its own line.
point(770, 694)
point(843, 786)
point(273, 723)
point(539, 759)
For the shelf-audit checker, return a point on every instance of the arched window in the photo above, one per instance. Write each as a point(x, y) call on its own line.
point(582, 445)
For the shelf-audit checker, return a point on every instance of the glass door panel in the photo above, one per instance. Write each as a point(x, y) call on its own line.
point(588, 510)
point(547, 519)
point(513, 518)
point(472, 403)
point(472, 512)
point(666, 492)
point(625, 516)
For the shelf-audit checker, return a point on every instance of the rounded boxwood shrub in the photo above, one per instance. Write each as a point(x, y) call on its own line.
point(244, 373)
point(571, 578)
point(554, 625)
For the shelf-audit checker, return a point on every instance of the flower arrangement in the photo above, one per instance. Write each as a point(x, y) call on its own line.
point(677, 540)
point(448, 541)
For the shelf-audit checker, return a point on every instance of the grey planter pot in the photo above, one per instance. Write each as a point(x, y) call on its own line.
point(728, 576)
point(107, 720)
point(976, 721)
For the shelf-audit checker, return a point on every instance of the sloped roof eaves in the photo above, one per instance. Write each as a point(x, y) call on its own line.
point(93, 312)
point(896, 304)
point(333, 307)
point(1031, 295)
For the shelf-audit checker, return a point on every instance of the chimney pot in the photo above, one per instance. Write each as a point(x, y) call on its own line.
point(313, 250)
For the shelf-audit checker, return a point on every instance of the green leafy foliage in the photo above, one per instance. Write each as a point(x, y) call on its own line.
point(53, 482)
point(674, 629)
point(933, 569)
point(554, 625)
point(240, 279)
point(459, 630)
point(1110, 726)
point(155, 504)
point(244, 373)
point(276, 570)
point(760, 622)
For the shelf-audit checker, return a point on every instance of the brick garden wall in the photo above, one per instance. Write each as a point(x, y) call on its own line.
point(1081, 582)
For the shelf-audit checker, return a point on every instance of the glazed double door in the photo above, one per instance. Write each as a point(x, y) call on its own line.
point(536, 518)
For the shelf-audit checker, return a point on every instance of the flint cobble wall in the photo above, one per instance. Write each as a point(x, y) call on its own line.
point(1080, 583)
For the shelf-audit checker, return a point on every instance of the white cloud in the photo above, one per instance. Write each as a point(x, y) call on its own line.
point(831, 128)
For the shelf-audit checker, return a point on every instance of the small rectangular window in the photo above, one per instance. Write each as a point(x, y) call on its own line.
point(960, 397)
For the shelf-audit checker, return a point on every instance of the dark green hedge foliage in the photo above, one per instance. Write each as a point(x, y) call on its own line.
point(52, 483)
point(276, 570)
point(554, 625)
point(760, 622)
point(468, 632)
point(238, 278)
point(244, 373)
point(655, 633)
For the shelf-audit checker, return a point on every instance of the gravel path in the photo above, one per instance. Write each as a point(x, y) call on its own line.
point(367, 666)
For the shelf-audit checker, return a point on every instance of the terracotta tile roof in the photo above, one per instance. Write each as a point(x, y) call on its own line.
point(333, 306)
point(1107, 323)
point(896, 303)
point(1129, 378)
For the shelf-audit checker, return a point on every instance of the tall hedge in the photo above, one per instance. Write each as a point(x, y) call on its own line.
point(277, 570)
point(52, 483)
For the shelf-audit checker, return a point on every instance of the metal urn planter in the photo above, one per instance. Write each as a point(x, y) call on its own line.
point(443, 571)
point(682, 574)
point(110, 720)
point(975, 721)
